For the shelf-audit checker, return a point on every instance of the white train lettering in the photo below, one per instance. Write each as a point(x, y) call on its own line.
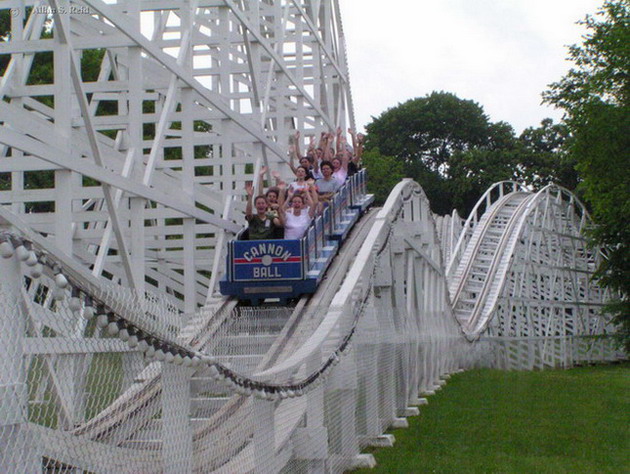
point(266, 272)
point(267, 249)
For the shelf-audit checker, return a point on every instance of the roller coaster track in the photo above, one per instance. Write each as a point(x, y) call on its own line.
point(308, 336)
point(484, 256)
point(524, 242)
point(117, 356)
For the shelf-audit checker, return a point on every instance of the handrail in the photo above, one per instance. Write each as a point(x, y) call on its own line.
point(473, 218)
point(341, 301)
point(532, 204)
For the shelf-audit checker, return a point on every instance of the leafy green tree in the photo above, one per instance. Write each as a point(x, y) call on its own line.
point(384, 173)
point(543, 158)
point(474, 171)
point(426, 131)
point(595, 95)
point(451, 148)
point(535, 158)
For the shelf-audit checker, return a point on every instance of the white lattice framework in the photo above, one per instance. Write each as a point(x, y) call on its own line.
point(450, 228)
point(118, 187)
point(525, 284)
point(303, 388)
point(133, 169)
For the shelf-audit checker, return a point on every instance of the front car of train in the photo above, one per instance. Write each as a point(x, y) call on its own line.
point(283, 269)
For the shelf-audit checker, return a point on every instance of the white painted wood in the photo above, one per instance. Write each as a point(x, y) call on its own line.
point(168, 68)
point(17, 448)
point(191, 99)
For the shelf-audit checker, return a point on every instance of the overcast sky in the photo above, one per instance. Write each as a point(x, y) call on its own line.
point(499, 53)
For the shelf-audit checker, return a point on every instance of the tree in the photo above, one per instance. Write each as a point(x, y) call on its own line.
point(426, 131)
point(543, 157)
point(595, 95)
point(536, 158)
point(449, 146)
point(473, 171)
point(384, 173)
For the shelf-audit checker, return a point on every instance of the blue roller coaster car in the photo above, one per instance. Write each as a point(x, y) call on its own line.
point(283, 269)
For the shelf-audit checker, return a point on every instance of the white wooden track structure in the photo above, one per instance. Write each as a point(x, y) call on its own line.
point(117, 355)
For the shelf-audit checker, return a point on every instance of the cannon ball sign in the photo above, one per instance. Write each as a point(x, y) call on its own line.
point(267, 260)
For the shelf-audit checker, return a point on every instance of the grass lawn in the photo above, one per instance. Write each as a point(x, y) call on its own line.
point(487, 421)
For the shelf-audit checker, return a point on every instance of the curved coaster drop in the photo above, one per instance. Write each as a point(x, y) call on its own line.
point(123, 185)
point(240, 389)
point(526, 282)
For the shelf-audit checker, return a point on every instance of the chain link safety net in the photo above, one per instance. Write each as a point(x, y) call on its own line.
point(74, 396)
point(97, 378)
point(100, 379)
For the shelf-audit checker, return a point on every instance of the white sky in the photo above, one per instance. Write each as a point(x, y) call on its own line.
point(499, 53)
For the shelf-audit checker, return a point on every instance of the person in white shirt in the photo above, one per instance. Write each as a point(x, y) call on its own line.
point(340, 167)
point(300, 183)
point(298, 217)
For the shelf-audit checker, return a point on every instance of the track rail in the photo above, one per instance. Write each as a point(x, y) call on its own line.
point(483, 228)
point(387, 280)
point(494, 193)
point(503, 254)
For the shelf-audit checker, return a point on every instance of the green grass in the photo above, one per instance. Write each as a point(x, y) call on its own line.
point(489, 421)
point(103, 385)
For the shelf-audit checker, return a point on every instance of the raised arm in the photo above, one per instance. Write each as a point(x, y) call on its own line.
point(311, 199)
point(292, 158)
point(358, 149)
point(283, 198)
point(328, 147)
point(296, 142)
point(344, 154)
point(315, 165)
point(311, 145)
point(249, 189)
point(354, 139)
point(281, 203)
point(323, 139)
point(339, 135)
point(277, 177)
point(261, 179)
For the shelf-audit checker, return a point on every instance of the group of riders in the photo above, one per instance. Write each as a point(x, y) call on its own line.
point(285, 211)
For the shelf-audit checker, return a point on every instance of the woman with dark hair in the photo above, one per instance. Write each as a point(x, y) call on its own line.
point(262, 225)
point(327, 185)
point(298, 217)
point(305, 161)
point(340, 167)
point(300, 183)
point(273, 196)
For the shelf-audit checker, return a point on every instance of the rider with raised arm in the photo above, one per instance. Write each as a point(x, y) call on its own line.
point(262, 224)
point(354, 164)
point(298, 217)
